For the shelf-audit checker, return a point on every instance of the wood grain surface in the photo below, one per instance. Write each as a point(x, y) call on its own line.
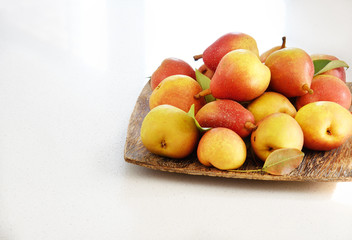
point(333, 165)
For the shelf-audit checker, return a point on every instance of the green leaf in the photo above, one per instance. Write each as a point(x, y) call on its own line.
point(320, 64)
point(204, 82)
point(323, 65)
point(283, 161)
point(191, 114)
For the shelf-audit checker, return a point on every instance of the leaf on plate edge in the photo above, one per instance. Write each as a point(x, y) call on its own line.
point(283, 161)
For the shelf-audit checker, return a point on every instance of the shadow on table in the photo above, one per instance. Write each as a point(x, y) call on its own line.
point(315, 188)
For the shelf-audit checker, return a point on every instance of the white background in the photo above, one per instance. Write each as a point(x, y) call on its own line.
point(70, 73)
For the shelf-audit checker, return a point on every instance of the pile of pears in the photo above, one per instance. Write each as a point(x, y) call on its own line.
point(276, 100)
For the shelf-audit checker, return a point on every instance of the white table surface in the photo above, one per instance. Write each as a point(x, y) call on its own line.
point(70, 73)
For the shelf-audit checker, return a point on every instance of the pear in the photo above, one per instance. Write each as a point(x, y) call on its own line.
point(276, 131)
point(169, 67)
point(178, 91)
point(240, 76)
point(168, 131)
point(326, 125)
point(271, 102)
point(226, 43)
point(337, 72)
point(226, 113)
point(292, 71)
point(221, 148)
point(327, 88)
point(265, 55)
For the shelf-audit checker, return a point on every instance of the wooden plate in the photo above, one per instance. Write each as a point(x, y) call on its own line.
point(333, 165)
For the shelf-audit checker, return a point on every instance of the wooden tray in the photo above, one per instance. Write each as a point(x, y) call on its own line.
point(333, 165)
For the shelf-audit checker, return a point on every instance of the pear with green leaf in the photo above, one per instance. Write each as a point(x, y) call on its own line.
point(338, 72)
point(276, 131)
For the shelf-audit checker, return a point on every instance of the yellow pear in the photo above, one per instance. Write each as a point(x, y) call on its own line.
point(271, 102)
point(326, 125)
point(168, 131)
point(222, 148)
point(276, 131)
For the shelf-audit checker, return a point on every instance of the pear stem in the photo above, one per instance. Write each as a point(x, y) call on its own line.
point(283, 42)
point(305, 87)
point(250, 126)
point(197, 57)
point(203, 93)
point(202, 69)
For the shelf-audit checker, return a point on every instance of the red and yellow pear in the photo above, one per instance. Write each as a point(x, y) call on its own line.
point(240, 76)
point(226, 43)
point(291, 70)
point(226, 113)
point(169, 67)
point(178, 91)
point(327, 88)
